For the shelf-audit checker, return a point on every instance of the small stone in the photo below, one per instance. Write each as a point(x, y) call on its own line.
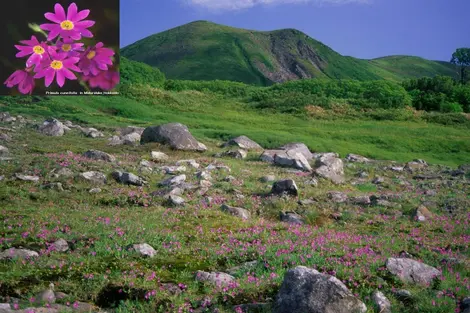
point(26, 177)
point(176, 200)
point(94, 177)
point(242, 213)
point(60, 245)
point(158, 156)
point(143, 249)
point(422, 213)
point(191, 163)
point(291, 218)
point(268, 178)
point(17, 253)
point(95, 190)
point(381, 302)
point(338, 197)
point(4, 152)
point(378, 180)
point(203, 175)
point(216, 278)
point(357, 158)
point(99, 155)
point(172, 181)
point(286, 186)
point(173, 169)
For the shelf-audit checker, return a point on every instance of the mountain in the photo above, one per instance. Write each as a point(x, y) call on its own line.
point(203, 50)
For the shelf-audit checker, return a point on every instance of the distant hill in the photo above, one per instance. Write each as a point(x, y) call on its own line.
point(203, 50)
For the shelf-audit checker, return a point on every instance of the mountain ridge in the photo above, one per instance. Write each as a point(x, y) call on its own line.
point(203, 50)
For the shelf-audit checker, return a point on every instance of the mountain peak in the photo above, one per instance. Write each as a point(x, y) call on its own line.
point(204, 50)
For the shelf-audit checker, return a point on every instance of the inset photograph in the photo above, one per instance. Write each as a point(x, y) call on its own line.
point(59, 47)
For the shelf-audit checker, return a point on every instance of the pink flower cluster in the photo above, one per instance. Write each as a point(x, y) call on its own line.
point(64, 58)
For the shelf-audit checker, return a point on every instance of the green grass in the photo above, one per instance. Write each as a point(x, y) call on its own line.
point(214, 118)
point(203, 50)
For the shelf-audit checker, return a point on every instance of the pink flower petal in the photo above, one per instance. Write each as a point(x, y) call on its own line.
point(72, 12)
point(86, 33)
point(59, 12)
point(48, 26)
point(68, 74)
point(50, 73)
point(85, 24)
point(54, 33)
point(52, 17)
point(60, 78)
point(81, 15)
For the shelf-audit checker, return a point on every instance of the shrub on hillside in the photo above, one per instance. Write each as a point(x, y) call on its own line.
point(132, 72)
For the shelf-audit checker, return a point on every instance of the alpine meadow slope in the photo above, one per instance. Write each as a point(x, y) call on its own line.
point(203, 50)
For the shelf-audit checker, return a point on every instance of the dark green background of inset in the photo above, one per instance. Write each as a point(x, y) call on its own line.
point(14, 20)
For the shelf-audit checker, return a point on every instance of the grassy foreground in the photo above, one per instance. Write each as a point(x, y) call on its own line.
point(347, 240)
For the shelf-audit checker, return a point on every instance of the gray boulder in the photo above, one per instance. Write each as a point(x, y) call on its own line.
point(286, 186)
point(26, 177)
point(357, 158)
point(337, 196)
point(382, 304)
point(292, 158)
point(158, 156)
point(99, 156)
point(173, 181)
point(465, 305)
point(143, 249)
point(243, 142)
point(268, 155)
point(298, 147)
point(18, 253)
point(411, 271)
point(52, 127)
point(215, 278)
point(307, 290)
point(60, 245)
point(242, 213)
point(291, 218)
point(330, 167)
point(128, 178)
point(94, 177)
point(4, 152)
point(174, 134)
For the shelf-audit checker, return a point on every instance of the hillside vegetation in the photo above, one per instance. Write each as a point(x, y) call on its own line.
point(206, 51)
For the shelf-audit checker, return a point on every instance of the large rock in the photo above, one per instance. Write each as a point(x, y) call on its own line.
point(174, 134)
point(330, 167)
point(128, 178)
point(298, 147)
point(18, 253)
point(286, 186)
point(99, 156)
point(292, 158)
point(242, 213)
point(243, 142)
point(306, 290)
point(411, 271)
point(52, 127)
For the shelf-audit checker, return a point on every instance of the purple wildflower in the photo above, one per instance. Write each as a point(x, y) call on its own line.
point(95, 59)
point(60, 67)
point(23, 79)
point(38, 51)
point(67, 26)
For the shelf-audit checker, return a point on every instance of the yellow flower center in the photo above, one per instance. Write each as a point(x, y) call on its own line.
point(66, 47)
point(57, 65)
point(38, 50)
point(91, 55)
point(67, 25)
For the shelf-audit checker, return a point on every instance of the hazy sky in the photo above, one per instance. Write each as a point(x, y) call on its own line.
point(432, 29)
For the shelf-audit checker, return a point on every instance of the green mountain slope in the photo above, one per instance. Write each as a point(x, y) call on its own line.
point(206, 51)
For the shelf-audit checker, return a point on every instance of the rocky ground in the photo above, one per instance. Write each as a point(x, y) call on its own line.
point(151, 220)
